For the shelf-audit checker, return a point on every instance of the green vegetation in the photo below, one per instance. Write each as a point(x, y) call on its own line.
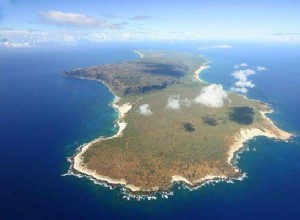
point(191, 141)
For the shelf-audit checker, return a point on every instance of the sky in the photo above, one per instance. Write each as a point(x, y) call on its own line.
point(29, 22)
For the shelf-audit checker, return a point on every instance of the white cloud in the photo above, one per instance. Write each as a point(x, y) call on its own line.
point(174, 102)
point(222, 46)
point(93, 34)
point(287, 36)
point(212, 96)
point(14, 44)
point(242, 75)
point(261, 68)
point(145, 110)
point(18, 45)
point(244, 84)
point(241, 90)
point(38, 37)
point(240, 65)
point(74, 19)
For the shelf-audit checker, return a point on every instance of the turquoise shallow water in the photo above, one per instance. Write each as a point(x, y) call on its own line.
point(45, 116)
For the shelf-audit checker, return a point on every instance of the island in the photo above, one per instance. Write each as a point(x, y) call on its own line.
point(173, 127)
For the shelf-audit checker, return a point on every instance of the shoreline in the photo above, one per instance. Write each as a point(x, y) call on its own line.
point(247, 134)
point(77, 159)
point(139, 53)
point(204, 66)
point(241, 137)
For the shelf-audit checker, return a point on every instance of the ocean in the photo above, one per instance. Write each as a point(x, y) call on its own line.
point(45, 116)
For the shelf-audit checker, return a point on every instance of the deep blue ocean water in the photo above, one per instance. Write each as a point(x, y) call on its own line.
point(45, 116)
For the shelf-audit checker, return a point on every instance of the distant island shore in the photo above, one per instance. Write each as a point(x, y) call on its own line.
point(167, 133)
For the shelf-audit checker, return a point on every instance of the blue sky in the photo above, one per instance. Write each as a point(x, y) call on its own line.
point(70, 21)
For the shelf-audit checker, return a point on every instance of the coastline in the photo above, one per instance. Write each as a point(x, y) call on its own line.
point(199, 70)
point(77, 160)
point(247, 134)
point(243, 136)
point(139, 53)
point(240, 138)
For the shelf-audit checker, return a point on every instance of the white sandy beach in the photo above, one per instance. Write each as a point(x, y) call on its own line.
point(198, 71)
point(139, 53)
point(240, 139)
point(78, 164)
point(243, 136)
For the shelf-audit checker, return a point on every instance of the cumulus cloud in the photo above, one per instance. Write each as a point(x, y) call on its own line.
point(74, 19)
point(242, 75)
point(221, 46)
point(242, 82)
point(213, 96)
point(261, 68)
point(174, 102)
point(145, 110)
point(240, 65)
